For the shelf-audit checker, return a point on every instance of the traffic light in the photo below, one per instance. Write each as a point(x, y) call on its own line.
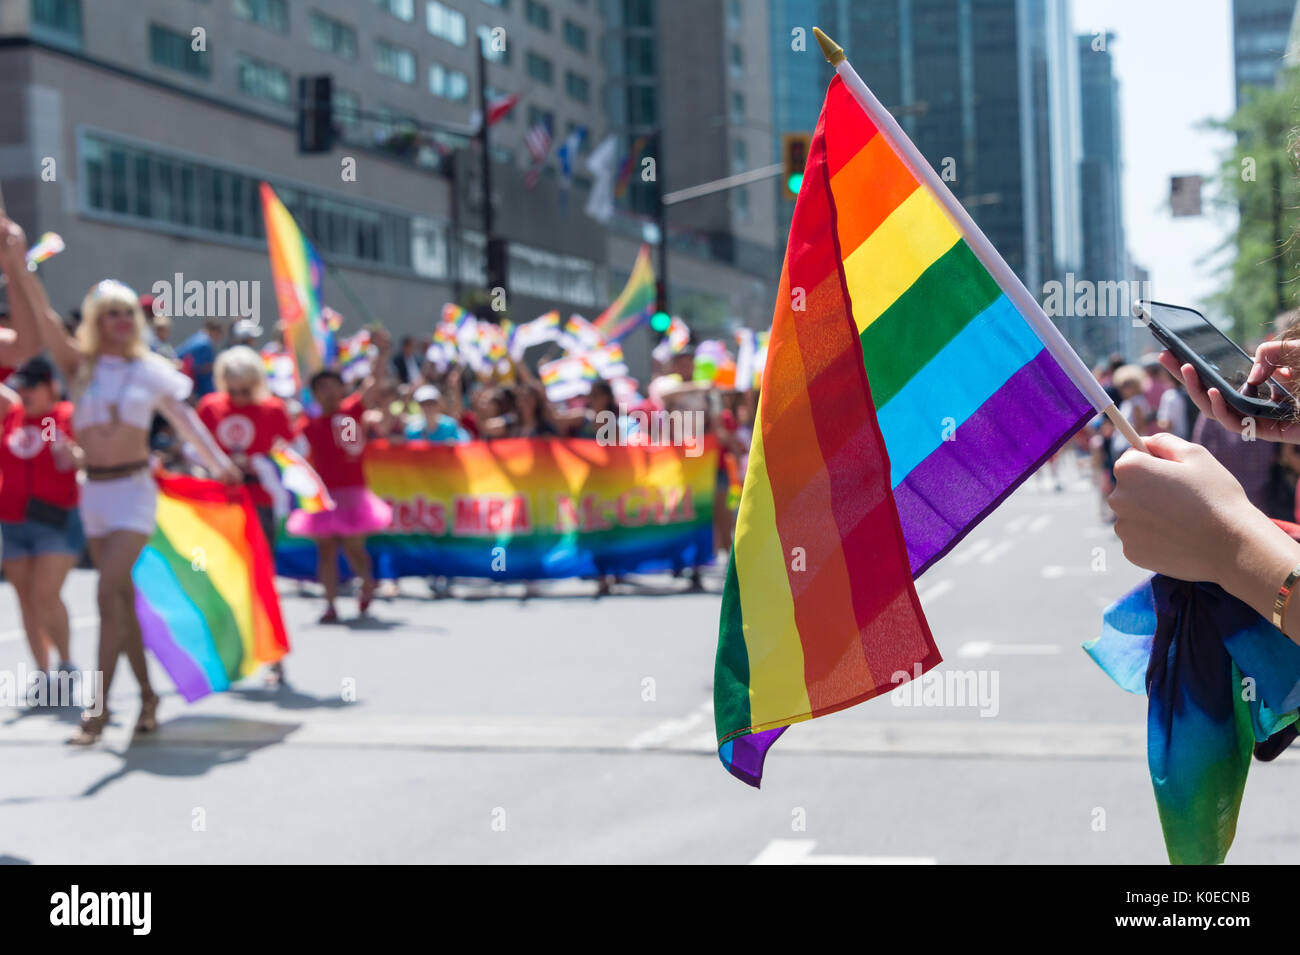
point(497, 256)
point(660, 320)
point(315, 114)
point(794, 156)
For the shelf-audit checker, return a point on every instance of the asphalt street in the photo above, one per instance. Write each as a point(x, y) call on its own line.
point(500, 727)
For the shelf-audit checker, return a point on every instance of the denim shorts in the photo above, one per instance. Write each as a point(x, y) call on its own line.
point(32, 539)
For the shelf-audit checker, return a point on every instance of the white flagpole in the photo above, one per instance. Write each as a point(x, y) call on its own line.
point(1006, 279)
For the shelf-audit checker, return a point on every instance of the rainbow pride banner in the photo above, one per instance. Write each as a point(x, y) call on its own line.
point(525, 509)
point(204, 591)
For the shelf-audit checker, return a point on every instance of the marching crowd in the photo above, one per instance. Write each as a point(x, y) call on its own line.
point(89, 407)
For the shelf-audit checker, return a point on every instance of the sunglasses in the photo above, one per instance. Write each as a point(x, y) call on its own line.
point(117, 313)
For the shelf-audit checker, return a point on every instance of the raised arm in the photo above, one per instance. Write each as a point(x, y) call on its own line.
point(30, 307)
point(20, 340)
point(379, 368)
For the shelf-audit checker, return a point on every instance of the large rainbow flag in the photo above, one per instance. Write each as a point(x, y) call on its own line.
point(904, 396)
point(204, 590)
point(297, 272)
point(634, 305)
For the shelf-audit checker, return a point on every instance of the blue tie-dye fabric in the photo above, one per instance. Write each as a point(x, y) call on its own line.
point(1218, 677)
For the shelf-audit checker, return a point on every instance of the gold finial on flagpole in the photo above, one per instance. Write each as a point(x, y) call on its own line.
point(833, 52)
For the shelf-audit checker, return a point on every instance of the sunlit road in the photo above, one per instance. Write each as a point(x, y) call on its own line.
point(563, 728)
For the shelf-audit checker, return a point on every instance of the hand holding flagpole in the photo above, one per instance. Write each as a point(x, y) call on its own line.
point(1010, 283)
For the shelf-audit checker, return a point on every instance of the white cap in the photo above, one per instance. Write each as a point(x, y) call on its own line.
point(246, 328)
point(427, 393)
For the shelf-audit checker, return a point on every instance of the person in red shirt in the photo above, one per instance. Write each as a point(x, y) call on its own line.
point(336, 441)
point(39, 522)
point(246, 419)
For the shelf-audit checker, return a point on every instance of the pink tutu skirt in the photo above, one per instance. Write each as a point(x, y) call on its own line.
point(356, 511)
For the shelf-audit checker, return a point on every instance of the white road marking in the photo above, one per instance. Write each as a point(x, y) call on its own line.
point(248, 726)
point(1055, 571)
point(983, 648)
point(669, 729)
point(996, 551)
point(76, 623)
point(1039, 522)
point(1015, 525)
point(800, 852)
point(934, 591)
point(970, 552)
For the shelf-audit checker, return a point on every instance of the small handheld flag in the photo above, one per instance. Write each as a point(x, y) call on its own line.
point(911, 383)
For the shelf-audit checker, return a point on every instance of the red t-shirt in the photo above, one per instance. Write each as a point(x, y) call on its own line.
point(27, 461)
point(246, 429)
point(338, 444)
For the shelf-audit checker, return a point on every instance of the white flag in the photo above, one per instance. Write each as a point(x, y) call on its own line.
point(601, 163)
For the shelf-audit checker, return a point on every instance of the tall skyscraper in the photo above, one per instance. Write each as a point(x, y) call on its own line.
point(1260, 29)
point(988, 91)
point(1100, 173)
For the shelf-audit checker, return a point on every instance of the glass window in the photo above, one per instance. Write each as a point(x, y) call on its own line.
point(577, 86)
point(173, 51)
point(640, 55)
point(638, 13)
point(737, 106)
point(447, 83)
point(395, 62)
point(262, 80)
point(538, 14)
point(575, 36)
point(540, 68)
point(272, 14)
point(444, 22)
point(59, 20)
point(346, 107)
point(402, 9)
point(188, 194)
point(332, 36)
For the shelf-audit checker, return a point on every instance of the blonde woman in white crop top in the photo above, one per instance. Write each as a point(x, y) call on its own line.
point(117, 386)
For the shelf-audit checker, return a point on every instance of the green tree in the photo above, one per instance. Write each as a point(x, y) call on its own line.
point(1258, 179)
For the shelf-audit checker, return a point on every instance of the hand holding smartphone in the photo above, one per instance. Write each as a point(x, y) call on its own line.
point(1219, 362)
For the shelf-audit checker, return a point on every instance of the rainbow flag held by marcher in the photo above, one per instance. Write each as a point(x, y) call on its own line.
point(634, 305)
point(544, 328)
point(46, 247)
point(297, 272)
point(674, 342)
point(904, 397)
point(291, 481)
point(204, 590)
point(580, 335)
point(1192, 649)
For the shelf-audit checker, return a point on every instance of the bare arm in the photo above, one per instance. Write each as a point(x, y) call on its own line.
point(379, 368)
point(8, 398)
point(30, 305)
point(191, 429)
point(20, 340)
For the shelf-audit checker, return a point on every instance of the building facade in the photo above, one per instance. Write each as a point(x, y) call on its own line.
point(988, 91)
point(1260, 32)
point(142, 128)
point(1101, 181)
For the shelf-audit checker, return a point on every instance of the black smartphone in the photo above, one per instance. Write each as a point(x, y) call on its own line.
point(1219, 361)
